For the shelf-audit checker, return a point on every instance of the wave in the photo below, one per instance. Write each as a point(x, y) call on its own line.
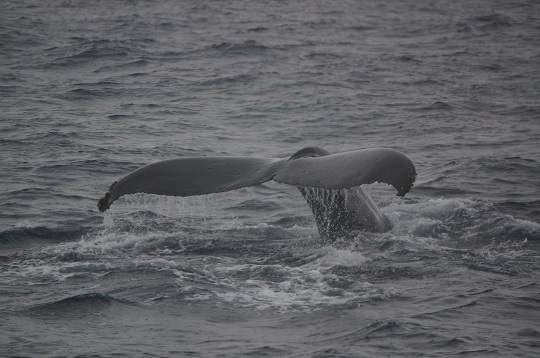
point(248, 47)
point(437, 106)
point(463, 221)
point(22, 236)
point(77, 306)
point(494, 178)
point(84, 52)
point(492, 21)
point(277, 265)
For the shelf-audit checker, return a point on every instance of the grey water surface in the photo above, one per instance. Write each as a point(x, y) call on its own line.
point(91, 90)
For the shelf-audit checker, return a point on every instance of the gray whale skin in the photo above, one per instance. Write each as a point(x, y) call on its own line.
point(329, 182)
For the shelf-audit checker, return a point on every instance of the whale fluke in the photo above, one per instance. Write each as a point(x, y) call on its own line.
point(312, 170)
point(348, 169)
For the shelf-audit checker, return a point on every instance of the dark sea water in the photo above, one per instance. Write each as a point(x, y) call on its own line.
point(91, 90)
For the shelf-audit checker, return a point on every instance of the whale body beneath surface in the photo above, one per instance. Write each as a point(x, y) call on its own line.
point(330, 183)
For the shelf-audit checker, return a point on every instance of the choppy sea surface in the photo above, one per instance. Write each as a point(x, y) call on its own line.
point(91, 90)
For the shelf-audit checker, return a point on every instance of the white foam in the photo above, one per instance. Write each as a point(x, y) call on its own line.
point(430, 208)
point(306, 291)
point(340, 257)
point(311, 286)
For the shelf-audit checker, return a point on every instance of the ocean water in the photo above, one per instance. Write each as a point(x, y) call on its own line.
point(91, 90)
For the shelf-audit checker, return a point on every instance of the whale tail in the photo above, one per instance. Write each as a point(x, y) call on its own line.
point(340, 211)
point(329, 182)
